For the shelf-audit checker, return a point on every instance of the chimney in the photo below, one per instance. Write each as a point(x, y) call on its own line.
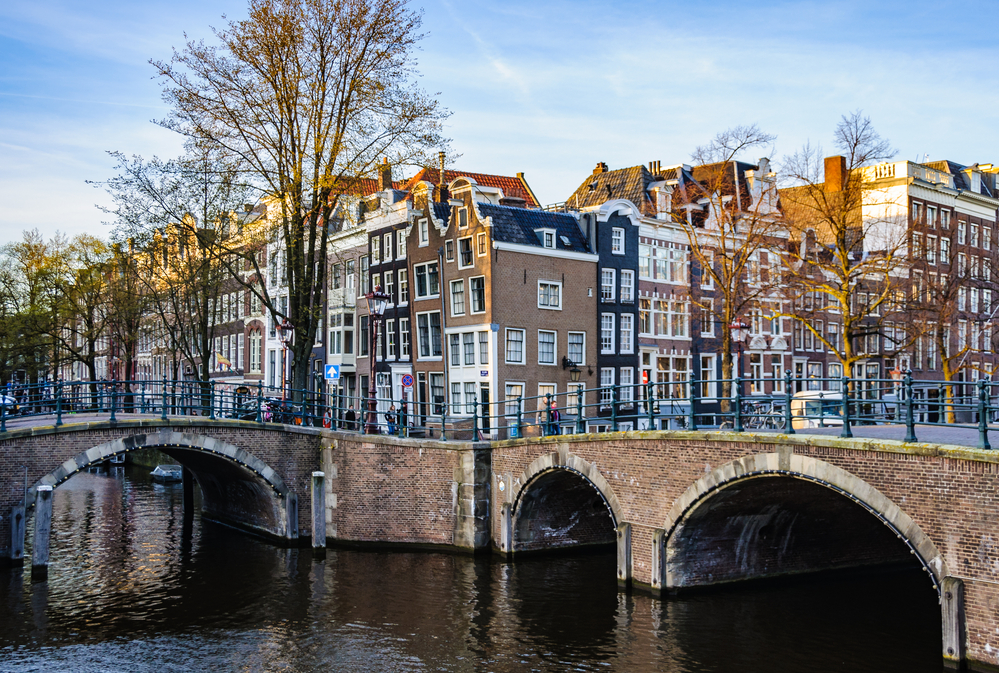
point(835, 173)
point(443, 188)
point(601, 168)
point(384, 175)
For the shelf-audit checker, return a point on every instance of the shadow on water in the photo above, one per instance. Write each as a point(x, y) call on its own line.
point(134, 587)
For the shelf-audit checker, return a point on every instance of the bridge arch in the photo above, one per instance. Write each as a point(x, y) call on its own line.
point(562, 501)
point(237, 487)
point(743, 477)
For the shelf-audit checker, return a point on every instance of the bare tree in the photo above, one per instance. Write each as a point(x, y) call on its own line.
point(309, 95)
point(848, 260)
point(734, 230)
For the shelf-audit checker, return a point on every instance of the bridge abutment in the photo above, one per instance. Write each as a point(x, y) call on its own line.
point(42, 533)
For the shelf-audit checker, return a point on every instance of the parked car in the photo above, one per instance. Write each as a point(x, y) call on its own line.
point(816, 409)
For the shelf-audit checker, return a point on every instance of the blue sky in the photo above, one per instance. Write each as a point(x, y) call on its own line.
point(547, 88)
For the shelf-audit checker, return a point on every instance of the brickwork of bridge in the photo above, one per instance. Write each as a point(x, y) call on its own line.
point(685, 510)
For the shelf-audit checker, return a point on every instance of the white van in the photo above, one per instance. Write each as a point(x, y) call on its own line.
point(816, 409)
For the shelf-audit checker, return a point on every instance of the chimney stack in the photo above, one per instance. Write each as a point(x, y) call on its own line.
point(442, 192)
point(601, 168)
point(835, 170)
point(384, 175)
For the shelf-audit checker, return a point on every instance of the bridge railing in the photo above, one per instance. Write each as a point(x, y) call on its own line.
point(782, 404)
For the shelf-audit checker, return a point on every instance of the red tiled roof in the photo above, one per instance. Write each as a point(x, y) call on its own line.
point(511, 186)
point(362, 186)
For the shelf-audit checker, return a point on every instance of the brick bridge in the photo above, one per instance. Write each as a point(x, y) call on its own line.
point(685, 509)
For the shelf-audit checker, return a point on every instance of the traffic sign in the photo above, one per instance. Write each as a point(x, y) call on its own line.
point(332, 372)
point(407, 380)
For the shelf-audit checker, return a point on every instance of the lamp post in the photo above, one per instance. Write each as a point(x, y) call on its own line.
point(740, 332)
point(286, 333)
point(377, 301)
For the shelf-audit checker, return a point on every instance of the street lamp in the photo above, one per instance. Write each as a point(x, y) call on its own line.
point(740, 332)
point(286, 333)
point(574, 372)
point(377, 301)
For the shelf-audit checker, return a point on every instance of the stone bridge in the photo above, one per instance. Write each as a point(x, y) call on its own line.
point(685, 510)
point(252, 476)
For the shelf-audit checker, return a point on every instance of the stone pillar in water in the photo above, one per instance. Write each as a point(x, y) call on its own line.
point(319, 513)
point(623, 555)
point(43, 529)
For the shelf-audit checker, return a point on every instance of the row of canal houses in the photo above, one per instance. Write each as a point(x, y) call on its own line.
point(493, 298)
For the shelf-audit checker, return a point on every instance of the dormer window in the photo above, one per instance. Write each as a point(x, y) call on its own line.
point(462, 218)
point(547, 237)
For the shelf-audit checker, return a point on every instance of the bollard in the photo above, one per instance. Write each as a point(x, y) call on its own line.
point(17, 535)
point(475, 418)
point(58, 404)
point(847, 432)
point(114, 402)
point(692, 421)
point(737, 419)
point(788, 421)
point(43, 530)
point(319, 514)
point(910, 429)
point(983, 417)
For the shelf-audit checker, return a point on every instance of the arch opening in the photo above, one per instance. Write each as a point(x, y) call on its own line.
point(560, 509)
point(779, 525)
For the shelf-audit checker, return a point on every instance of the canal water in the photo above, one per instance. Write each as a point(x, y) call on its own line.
point(133, 587)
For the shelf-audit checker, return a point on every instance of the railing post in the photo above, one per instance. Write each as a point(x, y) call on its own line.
point(444, 419)
point(211, 400)
point(737, 419)
point(58, 394)
point(548, 414)
point(142, 405)
point(649, 390)
point(260, 399)
point(114, 402)
point(847, 432)
point(614, 408)
point(580, 424)
point(692, 421)
point(3, 416)
point(910, 429)
point(983, 418)
point(475, 418)
point(788, 419)
point(520, 417)
point(163, 410)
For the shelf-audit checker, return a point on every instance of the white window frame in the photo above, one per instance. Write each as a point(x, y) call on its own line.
point(582, 360)
point(423, 226)
point(545, 235)
point(627, 347)
point(471, 253)
point(617, 241)
point(630, 286)
point(481, 244)
point(554, 336)
point(451, 294)
point(400, 244)
point(506, 346)
point(416, 273)
point(553, 283)
point(471, 296)
point(611, 331)
point(612, 295)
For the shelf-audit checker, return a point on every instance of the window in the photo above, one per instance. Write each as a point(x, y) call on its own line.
point(477, 286)
point(390, 339)
point(429, 327)
point(437, 392)
point(454, 345)
point(574, 398)
point(961, 231)
point(945, 219)
point(465, 252)
point(426, 280)
point(944, 250)
point(457, 297)
point(547, 237)
point(607, 285)
point(468, 347)
point(387, 247)
point(483, 348)
point(707, 376)
point(403, 286)
point(549, 295)
point(404, 336)
point(256, 350)
point(390, 286)
point(348, 334)
point(974, 235)
point(986, 237)
point(400, 244)
point(470, 398)
point(626, 381)
point(931, 249)
point(607, 333)
point(481, 245)
point(577, 348)
point(514, 398)
point(917, 213)
point(931, 217)
point(364, 275)
point(375, 250)
point(546, 347)
point(627, 285)
point(448, 251)
point(455, 398)
point(362, 349)
point(707, 317)
point(707, 279)
point(424, 231)
point(627, 333)
point(606, 381)
point(376, 280)
point(515, 346)
point(463, 218)
point(617, 241)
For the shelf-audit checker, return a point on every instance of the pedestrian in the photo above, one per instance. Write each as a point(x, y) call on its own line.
point(328, 418)
point(390, 419)
point(555, 418)
point(349, 418)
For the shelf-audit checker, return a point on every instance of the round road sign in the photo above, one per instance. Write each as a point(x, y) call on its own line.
point(407, 381)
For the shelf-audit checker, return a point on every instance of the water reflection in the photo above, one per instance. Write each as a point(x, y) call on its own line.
point(133, 586)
